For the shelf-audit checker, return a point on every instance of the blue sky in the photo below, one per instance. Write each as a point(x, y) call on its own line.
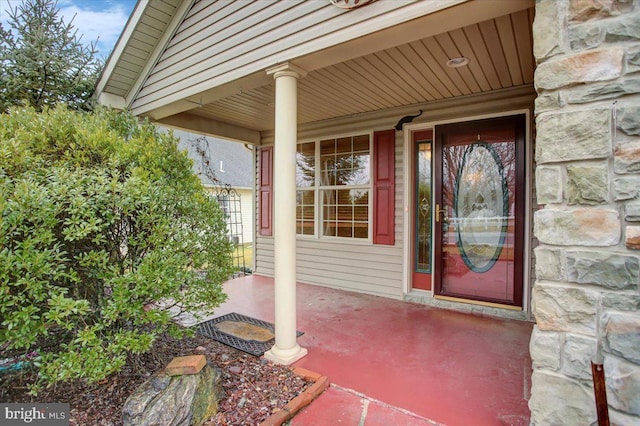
point(94, 19)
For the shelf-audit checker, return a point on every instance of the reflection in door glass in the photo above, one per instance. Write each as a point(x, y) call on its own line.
point(423, 207)
point(481, 204)
point(478, 195)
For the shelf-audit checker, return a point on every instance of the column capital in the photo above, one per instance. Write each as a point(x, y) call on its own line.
point(286, 69)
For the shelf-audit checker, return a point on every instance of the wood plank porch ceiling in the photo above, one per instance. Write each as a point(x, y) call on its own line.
point(500, 51)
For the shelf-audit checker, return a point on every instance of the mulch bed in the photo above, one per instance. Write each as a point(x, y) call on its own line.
point(254, 388)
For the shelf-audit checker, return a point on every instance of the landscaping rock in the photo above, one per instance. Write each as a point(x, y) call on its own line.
point(175, 400)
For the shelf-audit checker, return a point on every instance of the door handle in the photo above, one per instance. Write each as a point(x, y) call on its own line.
point(445, 219)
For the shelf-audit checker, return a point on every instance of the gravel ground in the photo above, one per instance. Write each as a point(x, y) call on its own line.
point(254, 388)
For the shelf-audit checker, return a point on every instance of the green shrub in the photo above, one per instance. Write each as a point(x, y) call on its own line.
point(106, 235)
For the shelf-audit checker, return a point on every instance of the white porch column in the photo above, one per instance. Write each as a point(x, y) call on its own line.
point(286, 349)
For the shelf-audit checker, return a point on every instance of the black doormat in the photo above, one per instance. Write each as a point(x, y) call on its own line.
point(244, 333)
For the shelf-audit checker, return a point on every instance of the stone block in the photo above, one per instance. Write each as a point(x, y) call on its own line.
point(586, 36)
point(622, 335)
point(623, 385)
point(564, 308)
point(577, 354)
point(621, 419)
point(626, 187)
point(191, 364)
point(632, 211)
point(587, 184)
point(548, 264)
point(175, 400)
point(583, 227)
point(585, 10)
point(633, 59)
point(576, 135)
point(602, 91)
point(548, 102)
point(609, 270)
point(626, 157)
point(544, 349)
point(585, 67)
point(548, 28)
point(549, 184)
point(621, 301)
point(629, 120)
point(632, 237)
point(558, 400)
point(623, 29)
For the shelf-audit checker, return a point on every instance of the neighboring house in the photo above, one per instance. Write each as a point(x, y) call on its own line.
point(514, 193)
point(230, 165)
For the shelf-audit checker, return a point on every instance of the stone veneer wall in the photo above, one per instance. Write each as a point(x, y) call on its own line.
point(588, 179)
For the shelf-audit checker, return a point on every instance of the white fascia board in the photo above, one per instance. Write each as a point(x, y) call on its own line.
point(122, 42)
point(168, 34)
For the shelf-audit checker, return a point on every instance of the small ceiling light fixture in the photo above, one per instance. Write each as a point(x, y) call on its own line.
point(458, 62)
point(350, 4)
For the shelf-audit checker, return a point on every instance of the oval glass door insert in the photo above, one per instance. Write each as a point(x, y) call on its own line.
point(481, 207)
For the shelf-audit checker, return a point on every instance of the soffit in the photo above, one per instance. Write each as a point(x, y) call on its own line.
point(500, 51)
point(140, 48)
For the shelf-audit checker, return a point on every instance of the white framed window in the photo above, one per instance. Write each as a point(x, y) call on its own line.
point(333, 179)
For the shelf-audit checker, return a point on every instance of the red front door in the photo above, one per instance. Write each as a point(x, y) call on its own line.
point(479, 211)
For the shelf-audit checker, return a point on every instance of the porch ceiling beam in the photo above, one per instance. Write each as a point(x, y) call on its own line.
point(249, 82)
point(112, 101)
point(458, 16)
point(206, 126)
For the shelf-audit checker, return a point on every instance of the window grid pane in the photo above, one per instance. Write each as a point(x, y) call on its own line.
point(345, 161)
point(305, 212)
point(343, 186)
point(342, 216)
point(306, 165)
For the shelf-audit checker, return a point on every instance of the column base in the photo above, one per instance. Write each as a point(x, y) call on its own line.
point(287, 356)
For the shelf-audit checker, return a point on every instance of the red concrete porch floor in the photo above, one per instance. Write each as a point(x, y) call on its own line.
point(398, 363)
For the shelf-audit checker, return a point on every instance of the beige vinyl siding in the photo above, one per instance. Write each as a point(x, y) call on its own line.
point(339, 263)
point(263, 255)
point(404, 74)
point(365, 267)
point(223, 40)
point(361, 267)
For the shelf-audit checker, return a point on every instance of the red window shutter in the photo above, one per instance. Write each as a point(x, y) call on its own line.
point(266, 190)
point(384, 148)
